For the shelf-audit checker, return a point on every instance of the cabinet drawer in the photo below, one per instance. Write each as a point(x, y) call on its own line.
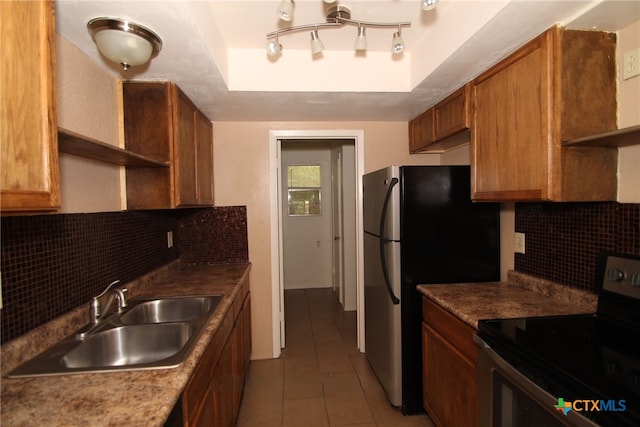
point(459, 334)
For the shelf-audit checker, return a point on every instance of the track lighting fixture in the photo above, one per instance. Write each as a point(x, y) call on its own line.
point(285, 10)
point(338, 15)
point(429, 4)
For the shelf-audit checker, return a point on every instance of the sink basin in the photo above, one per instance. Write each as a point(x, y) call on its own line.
point(129, 345)
point(174, 309)
point(155, 333)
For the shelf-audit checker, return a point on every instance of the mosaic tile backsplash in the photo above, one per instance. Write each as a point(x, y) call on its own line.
point(52, 264)
point(563, 240)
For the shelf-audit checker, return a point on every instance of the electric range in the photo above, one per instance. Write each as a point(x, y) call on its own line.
point(571, 370)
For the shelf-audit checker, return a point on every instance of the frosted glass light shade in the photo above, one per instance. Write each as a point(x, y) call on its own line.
point(285, 10)
point(361, 40)
point(316, 43)
point(123, 42)
point(397, 44)
point(124, 48)
point(429, 4)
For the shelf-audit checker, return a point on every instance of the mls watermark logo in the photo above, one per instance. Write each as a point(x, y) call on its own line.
point(590, 405)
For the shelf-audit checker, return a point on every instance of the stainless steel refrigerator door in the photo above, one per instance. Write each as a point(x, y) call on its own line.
point(382, 318)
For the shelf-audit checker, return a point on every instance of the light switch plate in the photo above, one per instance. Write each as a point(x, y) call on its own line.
point(519, 243)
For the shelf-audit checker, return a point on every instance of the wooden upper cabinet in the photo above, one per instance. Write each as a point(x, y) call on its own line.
point(29, 177)
point(559, 86)
point(421, 132)
point(204, 134)
point(432, 130)
point(162, 123)
point(451, 115)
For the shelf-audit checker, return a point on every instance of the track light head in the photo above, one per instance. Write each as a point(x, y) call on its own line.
point(429, 4)
point(316, 43)
point(397, 44)
point(285, 10)
point(361, 39)
point(274, 48)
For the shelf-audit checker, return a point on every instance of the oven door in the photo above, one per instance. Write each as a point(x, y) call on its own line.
point(506, 398)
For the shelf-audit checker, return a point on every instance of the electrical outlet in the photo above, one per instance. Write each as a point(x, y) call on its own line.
point(631, 64)
point(169, 239)
point(519, 243)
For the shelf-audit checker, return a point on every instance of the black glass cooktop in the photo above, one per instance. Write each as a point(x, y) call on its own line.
point(578, 357)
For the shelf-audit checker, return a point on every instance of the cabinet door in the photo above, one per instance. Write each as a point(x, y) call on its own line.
point(452, 114)
point(204, 143)
point(511, 152)
point(185, 148)
point(449, 382)
point(421, 131)
point(29, 177)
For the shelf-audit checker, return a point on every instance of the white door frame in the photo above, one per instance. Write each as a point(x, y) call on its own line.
point(277, 285)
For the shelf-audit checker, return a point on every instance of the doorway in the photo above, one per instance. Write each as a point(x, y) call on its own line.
point(318, 224)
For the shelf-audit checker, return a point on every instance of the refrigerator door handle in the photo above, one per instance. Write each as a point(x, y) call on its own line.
point(384, 241)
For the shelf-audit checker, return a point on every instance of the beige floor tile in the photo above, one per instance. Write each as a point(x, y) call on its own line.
point(343, 384)
point(345, 410)
point(305, 412)
point(260, 411)
point(303, 386)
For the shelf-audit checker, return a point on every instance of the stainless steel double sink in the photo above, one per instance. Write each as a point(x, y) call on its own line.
point(151, 333)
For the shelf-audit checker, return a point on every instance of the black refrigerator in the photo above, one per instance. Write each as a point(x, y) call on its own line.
point(420, 228)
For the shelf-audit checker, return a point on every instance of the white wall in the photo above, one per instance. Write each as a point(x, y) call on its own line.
point(308, 240)
point(628, 115)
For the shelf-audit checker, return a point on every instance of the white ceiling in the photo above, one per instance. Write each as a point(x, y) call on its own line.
point(211, 46)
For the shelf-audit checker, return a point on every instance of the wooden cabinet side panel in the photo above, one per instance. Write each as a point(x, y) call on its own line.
point(586, 83)
point(449, 382)
point(459, 333)
point(29, 176)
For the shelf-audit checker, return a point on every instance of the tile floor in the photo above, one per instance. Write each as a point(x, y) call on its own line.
point(321, 379)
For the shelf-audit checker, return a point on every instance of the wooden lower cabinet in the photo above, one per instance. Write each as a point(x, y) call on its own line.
point(449, 368)
point(213, 395)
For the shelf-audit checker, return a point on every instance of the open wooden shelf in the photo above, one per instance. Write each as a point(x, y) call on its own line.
point(79, 145)
point(617, 138)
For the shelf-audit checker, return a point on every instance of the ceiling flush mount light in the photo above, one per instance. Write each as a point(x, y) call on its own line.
point(124, 42)
point(429, 4)
point(285, 10)
point(339, 15)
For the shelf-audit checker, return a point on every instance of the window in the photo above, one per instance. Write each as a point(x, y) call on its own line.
point(303, 184)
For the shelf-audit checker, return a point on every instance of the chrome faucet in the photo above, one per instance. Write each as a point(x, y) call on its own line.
point(96, 313)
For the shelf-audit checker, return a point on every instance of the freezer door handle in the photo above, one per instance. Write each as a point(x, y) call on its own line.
point(384, 241)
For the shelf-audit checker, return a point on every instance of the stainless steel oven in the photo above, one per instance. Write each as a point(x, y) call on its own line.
point(576, 370)
point(507, 398)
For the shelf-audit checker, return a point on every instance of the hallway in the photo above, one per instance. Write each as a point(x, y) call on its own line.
point(321, 379)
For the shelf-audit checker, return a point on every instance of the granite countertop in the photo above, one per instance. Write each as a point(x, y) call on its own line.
point(520, 296)
point(125, 398)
